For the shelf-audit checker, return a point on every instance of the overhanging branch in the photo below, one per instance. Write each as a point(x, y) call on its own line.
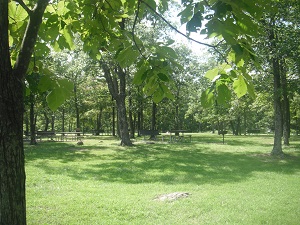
point(179, 32)
point(24, 6)
point(133, 29)
point(29, 38)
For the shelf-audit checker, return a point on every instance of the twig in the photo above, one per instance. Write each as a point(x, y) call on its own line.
point(174, 28)
point(187, 37)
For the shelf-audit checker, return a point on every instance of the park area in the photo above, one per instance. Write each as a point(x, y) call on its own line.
point(153, 182)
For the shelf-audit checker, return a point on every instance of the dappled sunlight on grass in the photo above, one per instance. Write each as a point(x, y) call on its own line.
point(195, 162)
point(103, 183)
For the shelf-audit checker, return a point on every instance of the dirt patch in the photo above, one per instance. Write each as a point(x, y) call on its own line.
point(172, 196)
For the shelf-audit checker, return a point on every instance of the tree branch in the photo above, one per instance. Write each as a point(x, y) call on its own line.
point(179, 32)
point(29, 38)
point(133, 29)
point(29, 11)
point(174, 28)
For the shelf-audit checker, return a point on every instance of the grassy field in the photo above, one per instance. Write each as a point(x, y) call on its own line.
point(104, 183)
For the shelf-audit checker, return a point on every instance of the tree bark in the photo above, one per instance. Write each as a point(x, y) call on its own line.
point(278, 120)
point(130, 116)
point(76, 108)
point(113, 118)
point(153, 120)
point(277, 94)
point(117, 86)
point(63, 120)
point(12, 169)
point(46, 121)
point(285, 105)
point(32, 121)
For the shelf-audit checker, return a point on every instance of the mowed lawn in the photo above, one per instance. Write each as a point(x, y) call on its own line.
point(104, 183)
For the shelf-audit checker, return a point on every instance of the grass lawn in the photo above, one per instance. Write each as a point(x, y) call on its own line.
point(104, 183)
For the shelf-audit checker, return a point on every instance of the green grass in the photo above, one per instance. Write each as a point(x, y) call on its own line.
point(103, 183)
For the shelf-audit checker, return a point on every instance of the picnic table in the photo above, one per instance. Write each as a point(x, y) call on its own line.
point(151, 133)
point(175, 136)
point(73, 136)
point(49, 135)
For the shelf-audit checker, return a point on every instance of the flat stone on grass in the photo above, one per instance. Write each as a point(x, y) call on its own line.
point(172, 196)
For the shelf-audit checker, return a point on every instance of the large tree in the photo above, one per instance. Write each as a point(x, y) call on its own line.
point(12, 173)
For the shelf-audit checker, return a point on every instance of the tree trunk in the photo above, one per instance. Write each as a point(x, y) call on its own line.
point(113, 119)
point(234, 132)
point(140, 115)
point(63, 120)
point(12, 172)
point(32, 121)
point(76, 108)
point(46, 121)
point(245, 122)
point(153, 120)
point(12, 169)
point(99, 123)
point(123, 124)
point(130, 116)
point(27, 124)
point(238, 126)
point(278, 121)
point(52, 122)
point(285, 105)
point(117, 87)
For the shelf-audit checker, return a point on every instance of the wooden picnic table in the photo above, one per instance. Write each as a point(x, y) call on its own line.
point(175, 136)
point(151, 133)
point(72, 135)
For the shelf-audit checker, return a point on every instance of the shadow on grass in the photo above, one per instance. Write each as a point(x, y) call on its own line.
point(239, 140)
point(164, 163)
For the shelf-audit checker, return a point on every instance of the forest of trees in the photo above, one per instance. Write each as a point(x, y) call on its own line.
point(84, 64)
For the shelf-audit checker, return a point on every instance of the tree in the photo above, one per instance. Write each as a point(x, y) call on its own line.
point(12, 173)
point(116, 80)
point(238, 25)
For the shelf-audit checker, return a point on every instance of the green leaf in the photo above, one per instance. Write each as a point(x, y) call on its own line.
point(211, 74)
point(195, 22)
point(224, 94)
point(186, 14)
point(21, 14)
point(151, 86)
point(54, 99)
point(166, 52)
point(45, 84)
point(50, 9)
point(158, 96)
point(11, 39)
point(12, 8)
point(140, 75)
point(250, 88)
point(240, 86)
point(224, 68)
point(167, 92)
point(207, 98)
point(127, 57)
point(152, 3)
point(163, 77)
point(62, 91)
point(68, 37)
